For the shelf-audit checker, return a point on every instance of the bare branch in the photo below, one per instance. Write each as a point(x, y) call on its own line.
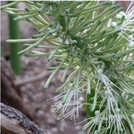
point(14, 122)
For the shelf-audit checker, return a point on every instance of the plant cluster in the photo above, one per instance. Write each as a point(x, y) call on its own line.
point(95, 40)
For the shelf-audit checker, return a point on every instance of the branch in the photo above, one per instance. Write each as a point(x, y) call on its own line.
point(10, 93)
point(14, 122)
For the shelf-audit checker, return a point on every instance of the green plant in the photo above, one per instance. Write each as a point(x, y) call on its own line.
point(95, 40)
point(14, 33)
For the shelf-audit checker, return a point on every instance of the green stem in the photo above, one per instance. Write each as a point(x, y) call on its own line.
point(65, 72)
point(21, 40)
point(52, 75)
point(15, 47)
point(9, 4)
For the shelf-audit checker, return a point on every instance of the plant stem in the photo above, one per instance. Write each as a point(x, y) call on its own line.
point(15, 60)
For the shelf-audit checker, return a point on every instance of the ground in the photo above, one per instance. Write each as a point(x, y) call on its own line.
point(36, 97)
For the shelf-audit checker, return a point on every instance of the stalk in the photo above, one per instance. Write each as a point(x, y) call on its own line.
point(15, 47)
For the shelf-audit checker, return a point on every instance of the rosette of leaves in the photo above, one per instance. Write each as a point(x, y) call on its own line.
point(95, 40)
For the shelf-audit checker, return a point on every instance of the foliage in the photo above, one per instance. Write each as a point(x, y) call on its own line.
point(95, 40)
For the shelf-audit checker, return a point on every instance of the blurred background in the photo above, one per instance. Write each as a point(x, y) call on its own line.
point(25, 91)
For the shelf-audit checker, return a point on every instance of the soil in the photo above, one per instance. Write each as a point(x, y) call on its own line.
point(36, 97)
